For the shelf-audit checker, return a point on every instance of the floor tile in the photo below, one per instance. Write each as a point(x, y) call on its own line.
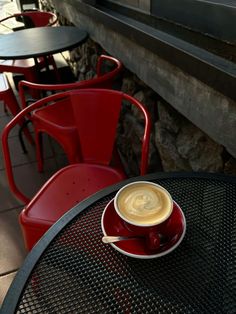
point(5, 282)
point(3, 122)
point(18, 157)
point(12, 250)
point(2, 112)
point(4, 119)
point(7, 200)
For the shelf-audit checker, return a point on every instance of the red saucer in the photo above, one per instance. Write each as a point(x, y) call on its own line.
point(113, 225)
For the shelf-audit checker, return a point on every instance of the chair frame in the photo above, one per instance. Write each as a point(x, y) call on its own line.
point(101, 80)
point(56, 97)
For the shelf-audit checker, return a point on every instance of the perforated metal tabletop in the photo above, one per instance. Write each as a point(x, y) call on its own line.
point(71, 271)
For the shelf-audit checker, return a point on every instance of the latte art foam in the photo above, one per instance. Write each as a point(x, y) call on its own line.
point(144, 204)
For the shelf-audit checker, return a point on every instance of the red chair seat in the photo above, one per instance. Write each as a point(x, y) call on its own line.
point(63, 191)
point(68, 187)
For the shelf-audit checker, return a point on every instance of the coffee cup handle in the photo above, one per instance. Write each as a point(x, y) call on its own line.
point(153, 240)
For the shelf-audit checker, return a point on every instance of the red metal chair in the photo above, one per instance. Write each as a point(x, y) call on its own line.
point(34, 18)
point(57, 121)
point(96, 114)
point(7, 95)
point(27, 67)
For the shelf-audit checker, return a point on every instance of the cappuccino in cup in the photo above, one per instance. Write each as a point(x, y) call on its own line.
point(143, 203)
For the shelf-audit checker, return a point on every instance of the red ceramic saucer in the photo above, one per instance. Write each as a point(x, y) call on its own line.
point(113, 225)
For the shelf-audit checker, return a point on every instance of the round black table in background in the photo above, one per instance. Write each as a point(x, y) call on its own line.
point(40, 41)
point(70, 270)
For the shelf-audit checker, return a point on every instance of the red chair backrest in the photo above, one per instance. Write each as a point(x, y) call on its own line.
point(93, 109)
point(39, 18)
point(96, 115)
point(102, 80)
point(34, 18)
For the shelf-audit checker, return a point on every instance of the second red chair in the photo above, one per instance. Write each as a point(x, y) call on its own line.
point(27, 67)
point(58, 122)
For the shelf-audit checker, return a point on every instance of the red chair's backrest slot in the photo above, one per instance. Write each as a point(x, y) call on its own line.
point(96, 113)
point(40, 18)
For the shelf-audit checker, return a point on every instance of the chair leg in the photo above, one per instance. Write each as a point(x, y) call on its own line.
point(55, 69)
point(5, 109)
point(33, 76)
point(21, 130)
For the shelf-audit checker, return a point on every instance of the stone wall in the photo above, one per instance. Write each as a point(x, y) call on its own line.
point(176, 143)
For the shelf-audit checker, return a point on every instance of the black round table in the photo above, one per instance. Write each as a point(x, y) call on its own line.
point(70, 270)
point(40, 41)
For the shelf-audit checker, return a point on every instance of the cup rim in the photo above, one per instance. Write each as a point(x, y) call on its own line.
point(138, 224)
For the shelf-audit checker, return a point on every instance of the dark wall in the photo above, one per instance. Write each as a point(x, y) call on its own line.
point(216, 18)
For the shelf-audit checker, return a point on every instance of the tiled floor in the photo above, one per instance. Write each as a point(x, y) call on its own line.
point(12, 251)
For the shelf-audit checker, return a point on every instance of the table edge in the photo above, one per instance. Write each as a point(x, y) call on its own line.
point(9, 304)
